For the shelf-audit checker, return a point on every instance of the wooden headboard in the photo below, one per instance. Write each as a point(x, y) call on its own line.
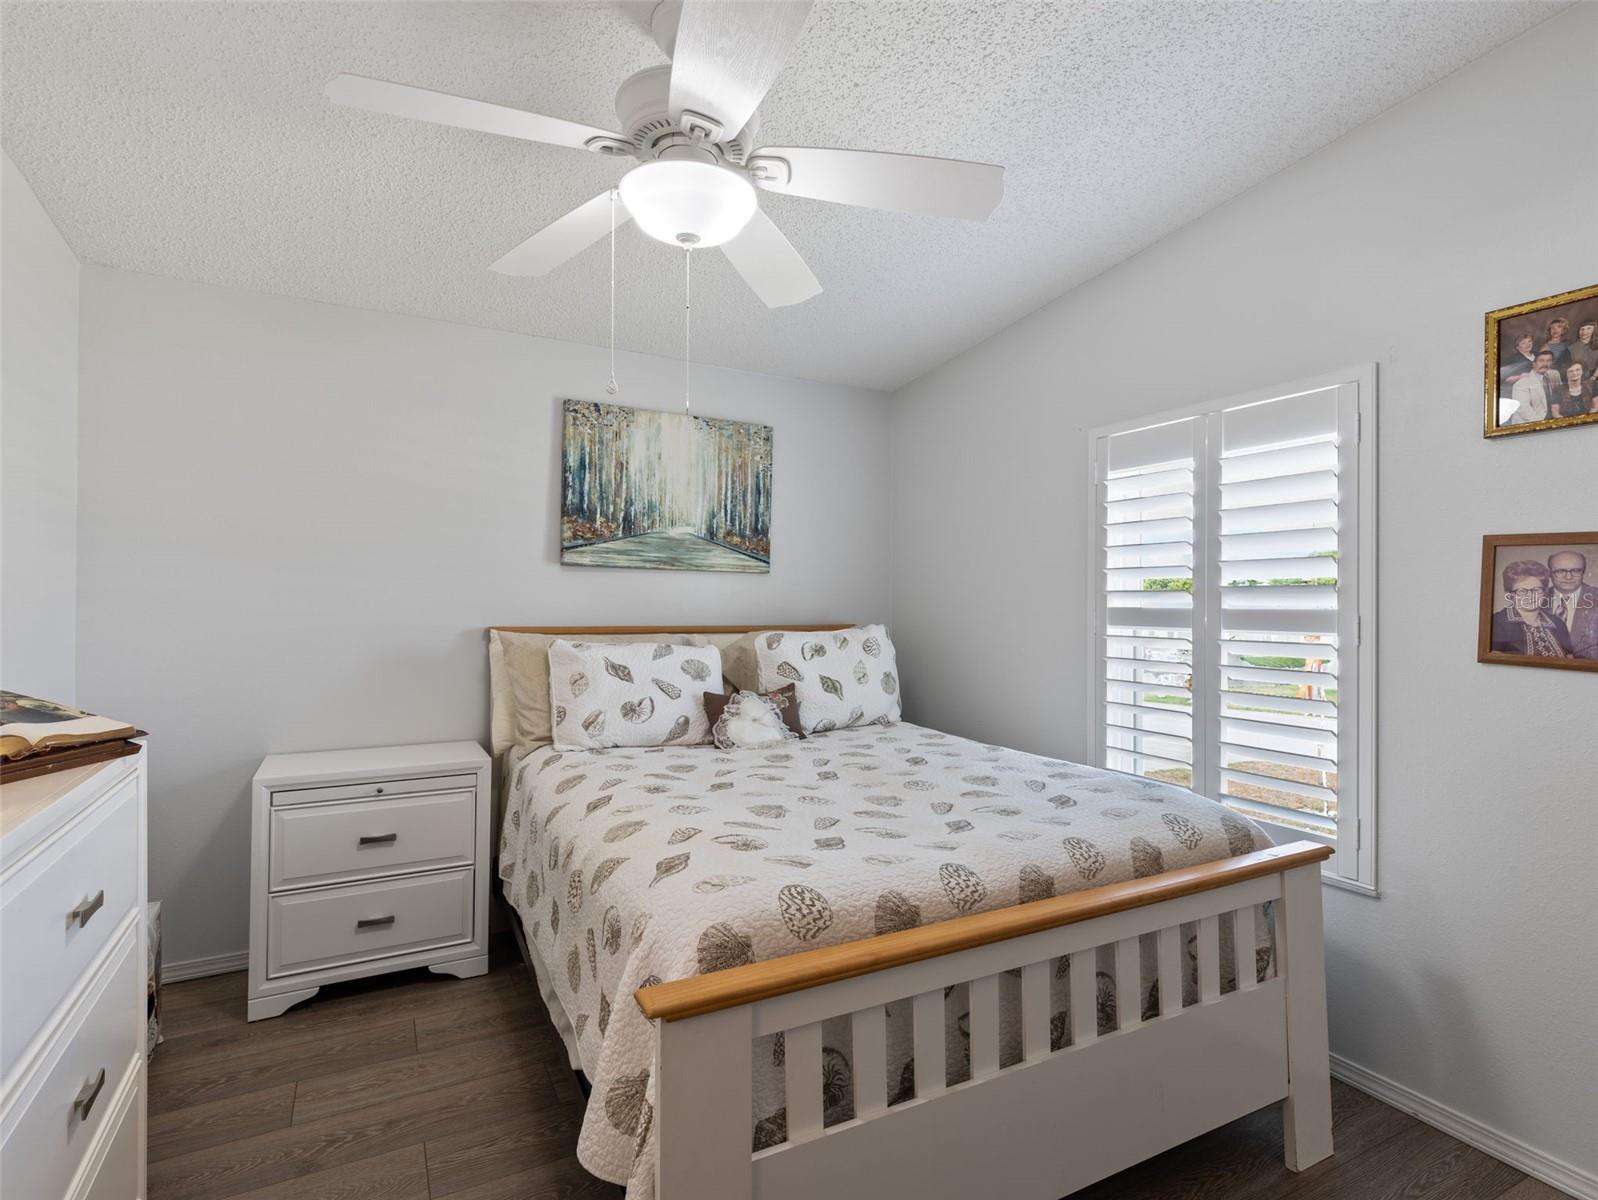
point(597, 630)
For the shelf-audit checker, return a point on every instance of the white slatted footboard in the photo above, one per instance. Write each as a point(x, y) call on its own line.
point(1079, 1104)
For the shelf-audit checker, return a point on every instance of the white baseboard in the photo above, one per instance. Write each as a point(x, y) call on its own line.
point(1552, 1171)
point(199, 968)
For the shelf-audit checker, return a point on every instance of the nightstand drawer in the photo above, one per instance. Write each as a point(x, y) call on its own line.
point(60, 909)
point(333, 843)
point(373, 789)
point(334, 926)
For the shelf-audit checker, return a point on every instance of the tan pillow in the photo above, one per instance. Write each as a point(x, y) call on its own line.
point(525, 659)
point(501, 702)
point(740, 664)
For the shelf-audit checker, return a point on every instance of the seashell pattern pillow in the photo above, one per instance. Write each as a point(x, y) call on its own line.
point(630, 694)
point(841, 679)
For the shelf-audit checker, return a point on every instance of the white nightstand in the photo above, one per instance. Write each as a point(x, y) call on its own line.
point(367, 861)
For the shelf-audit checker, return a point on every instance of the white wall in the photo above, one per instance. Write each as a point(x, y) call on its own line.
point(1471, 980)
point(38, 446)
point(296, 520)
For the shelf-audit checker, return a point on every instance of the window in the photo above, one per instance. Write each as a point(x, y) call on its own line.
point(1234, 601)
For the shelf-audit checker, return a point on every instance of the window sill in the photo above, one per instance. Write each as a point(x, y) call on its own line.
point(1293, 833)
point(1344, 884)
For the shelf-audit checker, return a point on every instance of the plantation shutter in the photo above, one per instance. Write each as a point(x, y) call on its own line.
point(1228, 611)
point(1276, 667)
point(1148, 502)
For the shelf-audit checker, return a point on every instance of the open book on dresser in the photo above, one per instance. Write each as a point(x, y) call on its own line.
point(30, 726)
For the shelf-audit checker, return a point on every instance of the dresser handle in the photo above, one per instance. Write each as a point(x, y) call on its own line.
point(87, 909)
point(373, 922)
point(378, 839)
point(88, 1095)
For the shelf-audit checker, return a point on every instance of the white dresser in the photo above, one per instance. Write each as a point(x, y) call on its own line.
point(366, 861)
point(72, 988)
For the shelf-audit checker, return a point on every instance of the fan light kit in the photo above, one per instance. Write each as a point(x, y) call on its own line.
point(692, 127)
point(687, 203)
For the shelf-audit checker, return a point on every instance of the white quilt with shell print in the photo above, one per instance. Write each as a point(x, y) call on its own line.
point(630, 866)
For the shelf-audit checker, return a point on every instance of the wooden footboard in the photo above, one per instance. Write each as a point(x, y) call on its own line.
point(1036, 1129)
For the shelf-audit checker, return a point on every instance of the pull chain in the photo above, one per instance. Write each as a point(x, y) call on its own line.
point(611, 387)
point(687, 325)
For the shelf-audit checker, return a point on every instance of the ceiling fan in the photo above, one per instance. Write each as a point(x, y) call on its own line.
point(692, 128)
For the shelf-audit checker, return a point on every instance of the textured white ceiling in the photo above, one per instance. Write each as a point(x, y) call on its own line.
point(193, 140)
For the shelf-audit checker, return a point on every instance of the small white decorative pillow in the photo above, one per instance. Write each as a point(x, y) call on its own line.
point(843, 678)
point(751, 722)
point(630, 694)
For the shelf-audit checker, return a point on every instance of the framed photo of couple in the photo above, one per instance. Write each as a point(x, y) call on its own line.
point(1539, 600)
point(1542, 364)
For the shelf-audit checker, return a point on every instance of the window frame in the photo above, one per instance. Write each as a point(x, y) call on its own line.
point(1353, 865)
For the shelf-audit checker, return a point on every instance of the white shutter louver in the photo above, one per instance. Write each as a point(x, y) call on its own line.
point(1228, 592)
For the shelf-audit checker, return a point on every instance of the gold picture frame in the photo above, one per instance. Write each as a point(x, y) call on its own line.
point(1503, 411)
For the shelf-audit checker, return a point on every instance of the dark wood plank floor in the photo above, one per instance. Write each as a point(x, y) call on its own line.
point(417, 1087)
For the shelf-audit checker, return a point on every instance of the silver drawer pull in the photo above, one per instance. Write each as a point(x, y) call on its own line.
point(374, 922)
point(88, 1095)
point(87, 909)
point(378, 839)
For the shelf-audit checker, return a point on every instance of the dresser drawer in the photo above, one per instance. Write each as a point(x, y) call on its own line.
point(334, 926)
point(374, 789)
point(59, 908)
point(332, 843)
point(65, 1104)
point(116, 1175)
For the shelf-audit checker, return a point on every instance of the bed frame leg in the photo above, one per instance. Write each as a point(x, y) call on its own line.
point(703, 1098)
point(1307, 1112)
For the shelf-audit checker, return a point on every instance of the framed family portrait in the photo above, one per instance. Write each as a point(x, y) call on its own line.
point(1542, 364)
point(1539, 600)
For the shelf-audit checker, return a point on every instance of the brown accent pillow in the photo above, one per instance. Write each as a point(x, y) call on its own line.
point(787, 704)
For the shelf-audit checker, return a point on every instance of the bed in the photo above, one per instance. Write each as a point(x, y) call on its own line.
point(889, 961)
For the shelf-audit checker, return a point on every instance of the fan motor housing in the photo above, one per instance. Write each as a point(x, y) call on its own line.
point(643, 107)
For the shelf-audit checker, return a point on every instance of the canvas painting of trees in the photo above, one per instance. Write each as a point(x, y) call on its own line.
point(664, 490)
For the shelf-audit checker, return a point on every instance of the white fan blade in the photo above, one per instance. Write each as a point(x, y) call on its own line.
point(728, 54)
point(909, 183)
point(769, 264)
point(402, 100)
point(562, 239)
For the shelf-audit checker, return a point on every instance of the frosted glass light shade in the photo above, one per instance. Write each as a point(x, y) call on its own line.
point(688, 203)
